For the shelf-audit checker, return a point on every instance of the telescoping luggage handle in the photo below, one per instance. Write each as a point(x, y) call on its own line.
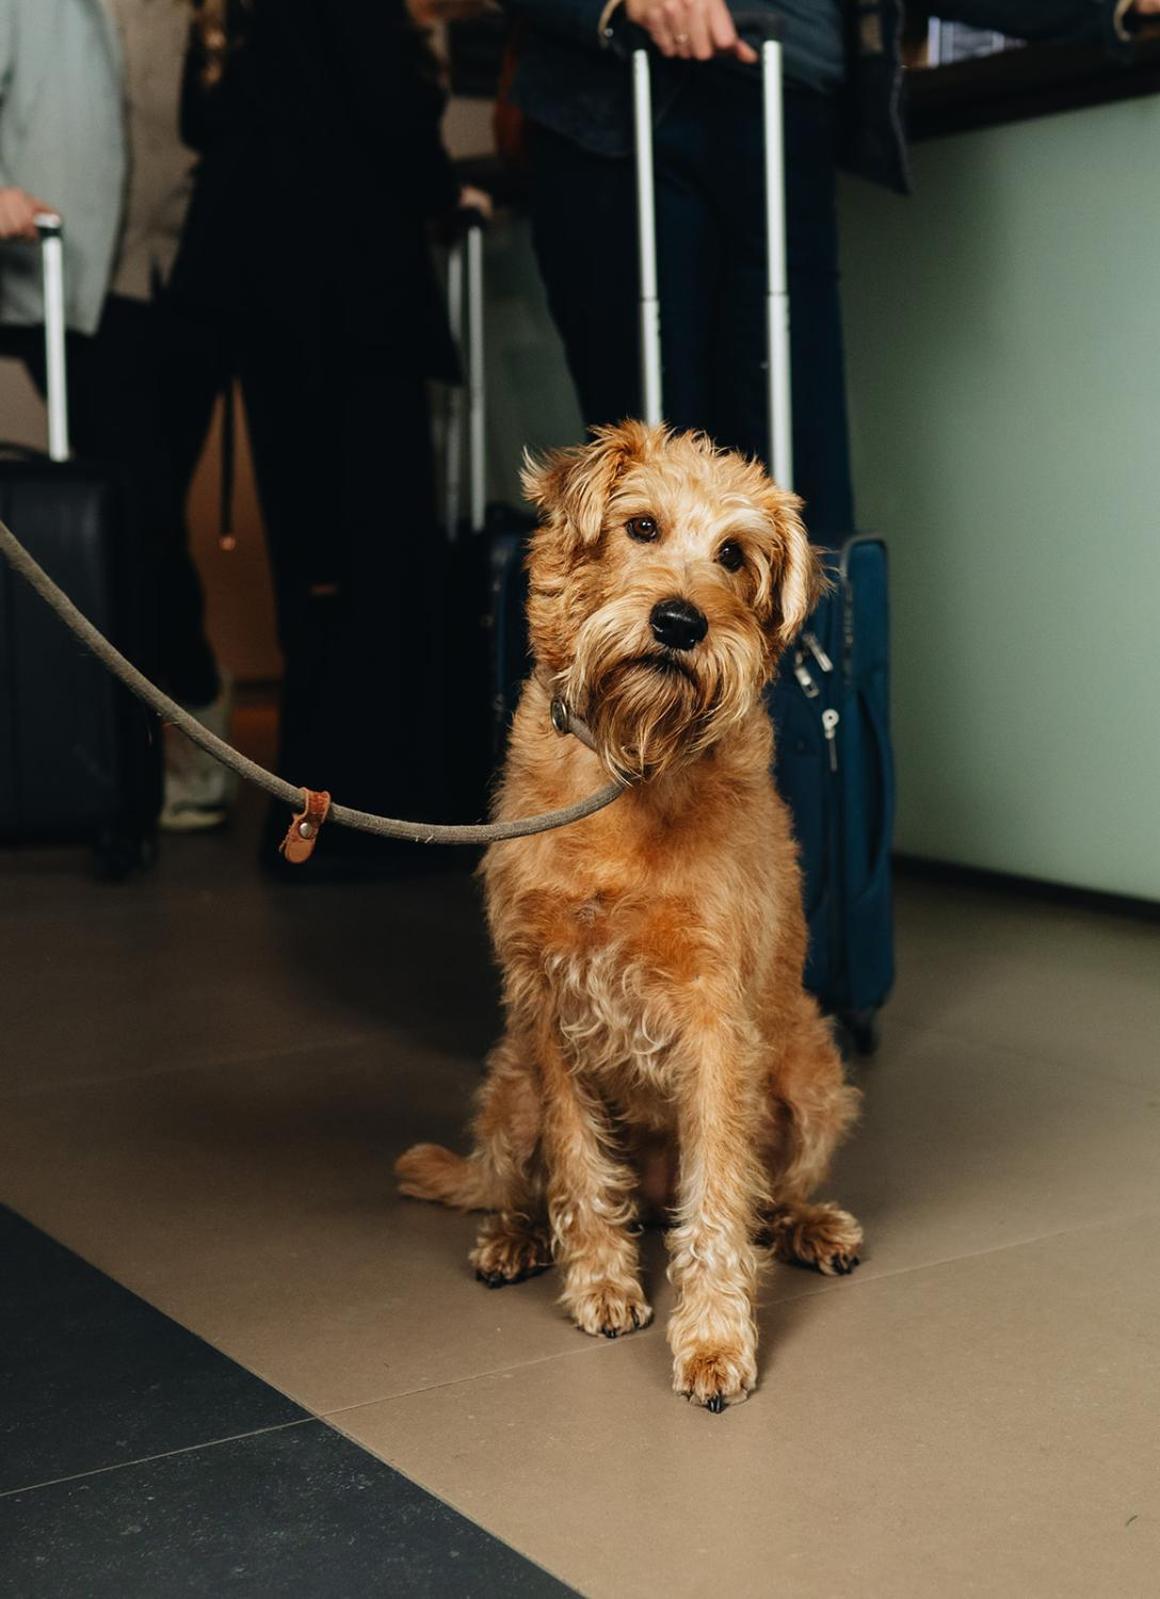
point(767, 29)
point(465, 263)
point(49, 227)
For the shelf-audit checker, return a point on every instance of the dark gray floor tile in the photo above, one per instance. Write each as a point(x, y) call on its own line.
point(92, 1376)
point(298, 1514)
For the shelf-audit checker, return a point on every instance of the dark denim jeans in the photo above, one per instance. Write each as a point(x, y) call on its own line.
point(711, 246)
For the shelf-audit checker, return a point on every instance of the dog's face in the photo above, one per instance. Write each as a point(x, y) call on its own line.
point(666, 578)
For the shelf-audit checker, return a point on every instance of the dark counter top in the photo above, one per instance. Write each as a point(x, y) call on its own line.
point(1034, 81)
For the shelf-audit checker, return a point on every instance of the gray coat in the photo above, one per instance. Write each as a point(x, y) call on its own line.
point(60, 93)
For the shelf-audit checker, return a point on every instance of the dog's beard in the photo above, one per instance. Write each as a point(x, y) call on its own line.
point(652, 710)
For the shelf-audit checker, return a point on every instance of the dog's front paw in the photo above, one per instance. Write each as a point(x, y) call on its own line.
point(506, 1254)
point(609, 1309)
point(715, 1375)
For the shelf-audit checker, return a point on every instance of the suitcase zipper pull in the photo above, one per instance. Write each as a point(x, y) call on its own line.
point(814, 645)
point(830, 719)
point(805, 682)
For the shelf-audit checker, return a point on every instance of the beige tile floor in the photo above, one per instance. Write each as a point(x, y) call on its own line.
point(204, 1079)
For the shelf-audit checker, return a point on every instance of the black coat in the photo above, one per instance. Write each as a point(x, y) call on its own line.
point(321, 168)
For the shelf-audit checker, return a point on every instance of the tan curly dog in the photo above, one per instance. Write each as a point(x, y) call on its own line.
point(658, 1041)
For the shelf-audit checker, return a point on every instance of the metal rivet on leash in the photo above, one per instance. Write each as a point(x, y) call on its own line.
point(302, 834)
point(308, 816)
point(558, 711)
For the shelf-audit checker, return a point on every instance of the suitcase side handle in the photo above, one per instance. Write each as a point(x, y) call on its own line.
point(50, 229)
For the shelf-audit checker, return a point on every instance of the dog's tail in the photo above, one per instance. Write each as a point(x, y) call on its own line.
point(428, 1171)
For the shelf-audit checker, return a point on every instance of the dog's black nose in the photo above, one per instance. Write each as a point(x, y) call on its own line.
point(678, 624)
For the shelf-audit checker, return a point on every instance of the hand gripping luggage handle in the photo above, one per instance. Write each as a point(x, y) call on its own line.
point(768, 29)
point(48, 225)
point(467, 251)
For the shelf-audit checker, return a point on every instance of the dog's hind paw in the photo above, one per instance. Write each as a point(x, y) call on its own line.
point(504, 1254)
point(608, 1311)
point(823, 1238)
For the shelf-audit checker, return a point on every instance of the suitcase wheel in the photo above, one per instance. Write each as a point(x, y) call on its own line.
point(863, 1030)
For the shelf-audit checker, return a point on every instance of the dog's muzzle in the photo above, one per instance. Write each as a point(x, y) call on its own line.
point(677, 625)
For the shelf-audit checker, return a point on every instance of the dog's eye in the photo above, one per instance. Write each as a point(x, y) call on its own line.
point(643, 529)
point(730, 556)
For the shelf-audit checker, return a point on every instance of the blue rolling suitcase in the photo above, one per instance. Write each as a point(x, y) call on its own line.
point(830, 702)
point(831, 709)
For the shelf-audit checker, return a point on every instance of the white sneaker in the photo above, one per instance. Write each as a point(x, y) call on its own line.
point(198, 790)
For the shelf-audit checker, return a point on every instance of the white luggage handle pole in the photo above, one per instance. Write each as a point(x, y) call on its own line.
point(777, 286)
point(48, 225)
point(475, 379)
point(453, 442)
point(650, 311)
point(466, 259)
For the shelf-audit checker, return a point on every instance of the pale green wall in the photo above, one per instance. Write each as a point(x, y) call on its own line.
point(1003, 328)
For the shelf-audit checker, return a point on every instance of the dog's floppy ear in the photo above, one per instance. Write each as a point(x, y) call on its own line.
point(800, 581)
point(571, 487)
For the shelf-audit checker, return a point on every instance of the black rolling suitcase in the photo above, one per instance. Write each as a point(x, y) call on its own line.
point(830, 701)
point(487, 582)
point(80, 758)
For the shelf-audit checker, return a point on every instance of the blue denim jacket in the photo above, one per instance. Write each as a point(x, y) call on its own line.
point(577, 83)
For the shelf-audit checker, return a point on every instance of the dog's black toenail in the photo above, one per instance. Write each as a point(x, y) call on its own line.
point(716, 1404)
point(610, 1332)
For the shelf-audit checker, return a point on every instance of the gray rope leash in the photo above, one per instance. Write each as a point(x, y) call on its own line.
point(299, 799)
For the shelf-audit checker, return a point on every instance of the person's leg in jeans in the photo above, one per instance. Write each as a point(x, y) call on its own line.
point(584, 228)
point(691, 265)
point(584, 233)
point(821, 448)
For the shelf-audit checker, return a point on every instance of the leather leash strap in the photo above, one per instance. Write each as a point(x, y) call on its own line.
point(305, 826)
point(309, 809)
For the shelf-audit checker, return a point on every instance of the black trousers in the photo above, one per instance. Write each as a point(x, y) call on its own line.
point(342, 455)
point(712, 274)
point(121, 382)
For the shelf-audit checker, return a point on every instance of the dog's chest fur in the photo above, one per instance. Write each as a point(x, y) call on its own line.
point(622, 935)
point(614, 979)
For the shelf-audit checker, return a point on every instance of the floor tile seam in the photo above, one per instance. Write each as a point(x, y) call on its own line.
point(589, 1346)
point(953, 1036)
point(857, 1280)
point(164, 1454)
point(242, 1060)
